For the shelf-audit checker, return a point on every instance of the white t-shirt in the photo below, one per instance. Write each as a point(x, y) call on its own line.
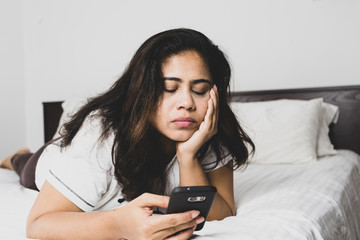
point(84, 173)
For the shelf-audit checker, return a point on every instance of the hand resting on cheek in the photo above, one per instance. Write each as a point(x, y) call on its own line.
point(207, 129)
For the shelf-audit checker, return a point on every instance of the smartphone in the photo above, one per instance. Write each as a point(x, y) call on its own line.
point(199, 198)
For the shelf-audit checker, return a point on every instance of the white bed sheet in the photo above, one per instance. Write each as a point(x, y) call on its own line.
point(319, 200)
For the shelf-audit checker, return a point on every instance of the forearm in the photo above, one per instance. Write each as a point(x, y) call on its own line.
point(220, 209)
point(74, 225)
point(192, 174)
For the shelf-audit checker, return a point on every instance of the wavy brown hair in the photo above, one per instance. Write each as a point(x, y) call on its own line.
point(127, 108)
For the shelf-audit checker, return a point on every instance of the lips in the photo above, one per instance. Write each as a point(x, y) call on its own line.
point(184, 121)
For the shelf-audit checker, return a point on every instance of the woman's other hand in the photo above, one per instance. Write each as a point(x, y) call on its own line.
point(207, 129)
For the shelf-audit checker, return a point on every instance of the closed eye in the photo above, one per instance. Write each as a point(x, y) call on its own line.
point(199, 86)
point(170, 90)
point(200, 93)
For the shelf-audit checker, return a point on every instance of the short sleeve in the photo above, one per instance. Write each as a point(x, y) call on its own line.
point(210, 160)
point(82, 171)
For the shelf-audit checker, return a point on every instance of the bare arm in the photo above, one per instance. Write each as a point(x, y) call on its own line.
point(53, 216)
point(222, 179)
point(224, 204)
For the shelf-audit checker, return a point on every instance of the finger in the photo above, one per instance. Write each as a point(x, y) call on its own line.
point(152, 200)
point(185, 234)
point(176, 228)
point(204, 126)
point(216, 92)
point(215, 99)
point(209, 115)
point(169, 224)
point(212, 117)
point(186, 226)
point(175, 219)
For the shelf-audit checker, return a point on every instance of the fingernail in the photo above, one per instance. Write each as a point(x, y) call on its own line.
point(195, 214)
point(199, 220)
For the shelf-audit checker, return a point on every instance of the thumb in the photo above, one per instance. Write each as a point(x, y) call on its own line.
point(152, 200)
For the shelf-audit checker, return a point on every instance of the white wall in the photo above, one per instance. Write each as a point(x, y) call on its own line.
point(12, 85)
point(78, 48)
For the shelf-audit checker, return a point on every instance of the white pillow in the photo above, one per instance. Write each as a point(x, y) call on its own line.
point(285, 131)
point(69, 108)
point(330, 115)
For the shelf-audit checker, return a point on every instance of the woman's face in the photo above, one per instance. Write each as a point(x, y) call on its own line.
point(184, 102)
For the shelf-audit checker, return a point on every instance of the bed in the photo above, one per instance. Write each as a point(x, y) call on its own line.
point(303, 182)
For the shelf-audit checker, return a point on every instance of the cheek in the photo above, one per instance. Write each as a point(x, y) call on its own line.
point(164, 108)
point(161, 114)
point(202, 107)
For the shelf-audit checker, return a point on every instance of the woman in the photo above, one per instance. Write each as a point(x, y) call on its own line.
point(166, 122)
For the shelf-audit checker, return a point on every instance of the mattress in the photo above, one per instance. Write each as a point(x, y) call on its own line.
point(318, 200)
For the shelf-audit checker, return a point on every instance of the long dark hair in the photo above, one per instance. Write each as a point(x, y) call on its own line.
point(127, 108)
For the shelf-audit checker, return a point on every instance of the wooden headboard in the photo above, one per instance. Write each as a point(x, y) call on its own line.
point(52, 113)
point(345, 134)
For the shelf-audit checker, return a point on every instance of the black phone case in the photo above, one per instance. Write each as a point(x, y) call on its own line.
point(184, 199)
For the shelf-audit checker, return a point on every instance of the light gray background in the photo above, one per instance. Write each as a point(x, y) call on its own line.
point(57, 49)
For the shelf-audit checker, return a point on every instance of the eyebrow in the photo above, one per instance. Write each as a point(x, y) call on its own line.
point(201, 80)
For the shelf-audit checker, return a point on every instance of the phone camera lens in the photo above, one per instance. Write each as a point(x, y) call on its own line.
point(196, 199)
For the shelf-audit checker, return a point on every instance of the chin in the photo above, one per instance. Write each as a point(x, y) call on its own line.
point(182, 137)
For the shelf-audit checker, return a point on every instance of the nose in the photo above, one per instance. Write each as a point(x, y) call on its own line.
point(186, 101)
